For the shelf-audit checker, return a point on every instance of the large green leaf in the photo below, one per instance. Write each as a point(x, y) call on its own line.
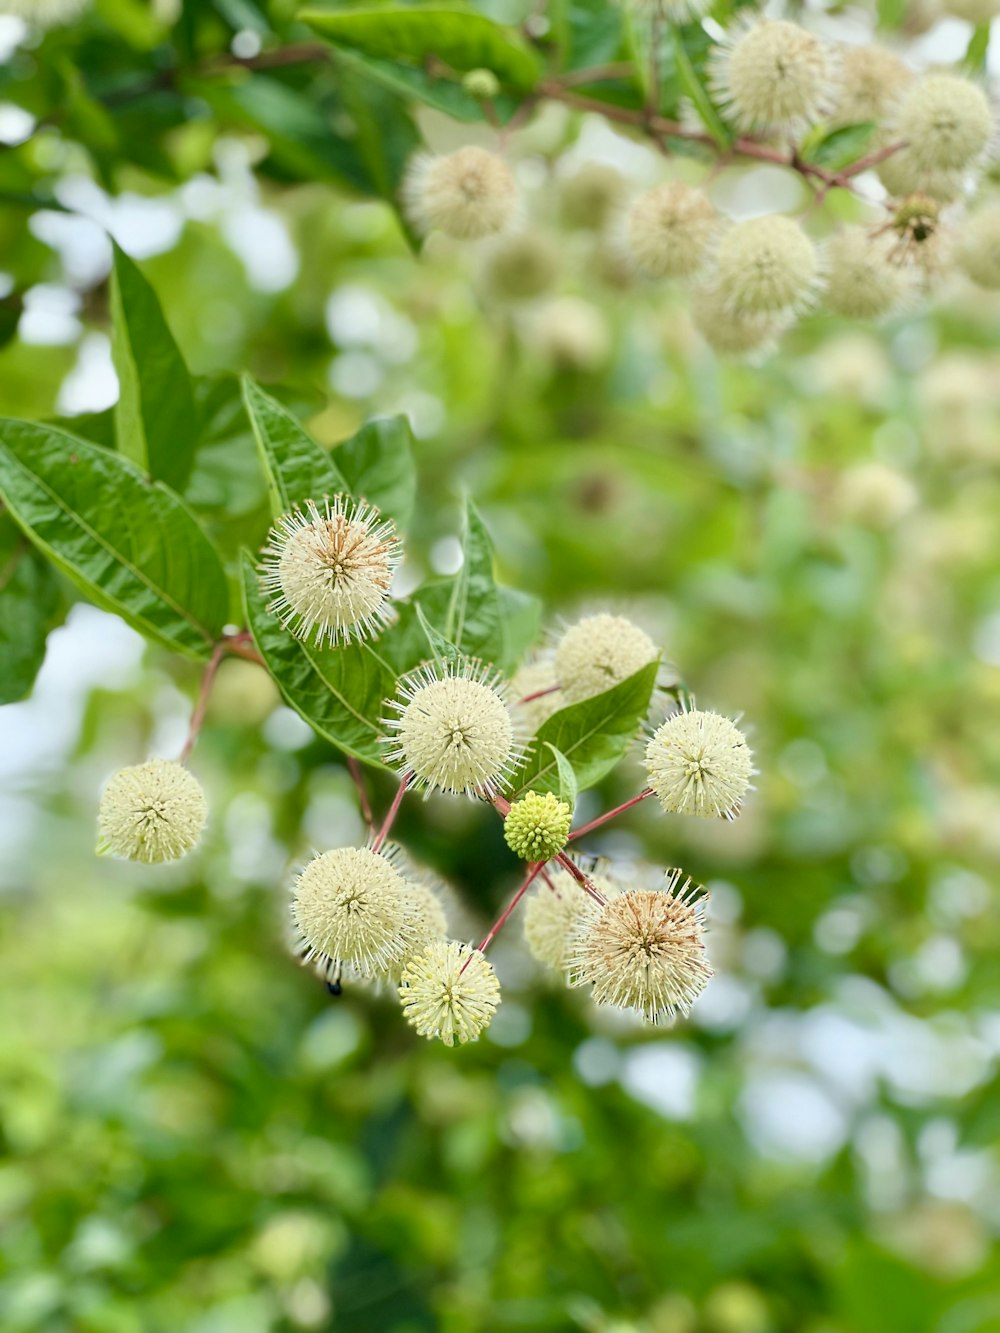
point(593, 735)
point(32, 603)
point(377, 464)
point(469, 609)
point(340, 692)
point(155, 418)
point(417, 85)
point(129, 544)
point(460, 38)
point(297, 469)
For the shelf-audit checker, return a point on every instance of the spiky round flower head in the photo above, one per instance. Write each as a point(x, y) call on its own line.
point(766, 266)
point(978, 247)
point(481, 83)
point(875, 494)
point(870, 80)
point(467, 194)
point(351, 905)
point(449, 991)
point(772, 75)
point(151, 812)
point(588, 198)
point(699, 764)
point(328, 572)
point(945, 121)
point(453, 731)
point(45, 13)
point(902, 175)
point(669, 230)
point(730, 333)
point(645, 950)
point(535, 693)
point(916, 223)
point(520, 266)
point(555, 910)
point(598, 652)
point(864, 277)
point(537, 826)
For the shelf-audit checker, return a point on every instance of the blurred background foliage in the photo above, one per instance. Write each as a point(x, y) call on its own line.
point(195, 1136)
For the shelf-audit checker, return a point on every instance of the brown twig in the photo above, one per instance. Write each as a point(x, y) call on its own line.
point(354, 768)
point(198, 716)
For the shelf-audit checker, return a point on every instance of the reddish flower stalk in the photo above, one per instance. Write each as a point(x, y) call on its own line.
point(610, 814)
point(533, 870)
point(387, 823)
point(198, 716)
point(584, 882)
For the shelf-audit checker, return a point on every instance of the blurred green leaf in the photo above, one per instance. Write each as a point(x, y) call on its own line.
point(129, 544)
point(155, 420)
point(33, 604)
point(297, 469)
point(567, 788)
point(838, 148)
point(378, 466)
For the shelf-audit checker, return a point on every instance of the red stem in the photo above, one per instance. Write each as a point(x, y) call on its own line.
point(198, 716)
point(581, 879)
point(539, 694)
point(387, 824)
point(533, 870)
point(610, 814)
point(354, 768)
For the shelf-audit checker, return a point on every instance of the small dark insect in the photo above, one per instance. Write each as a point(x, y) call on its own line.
point(335, 988)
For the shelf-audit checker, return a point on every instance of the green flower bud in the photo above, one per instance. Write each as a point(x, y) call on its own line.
point(481, 83)
point(537, 827)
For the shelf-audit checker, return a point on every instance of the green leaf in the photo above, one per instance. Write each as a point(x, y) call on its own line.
point(339, 692)
point(413, 84)
point(297, 469)
point(460, 38)
point(155, 418)
point(377, 464)
point(522, 614)
point(32, 604)
point(840, 147)
point(592, 735)
point(978, 50)
point(567, 789)
point(129, 544)
point(443, 650)
point(693, 88)
point(470, 606)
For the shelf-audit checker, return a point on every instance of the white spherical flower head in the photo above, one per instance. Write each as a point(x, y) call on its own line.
point(864, 277)
point(945, 121)
point(766, 266)
point(730, 333)
point(598, 652)
point(870, 80)
point(328, 572)
point(351, 905)
point(978, 248)
point(772, 75)
point(699, 764)
point(646, 950)
point(875, 494)
point(669, 230)
point(467, 194)
point(453, 731)
point(555, 909)
point(152, 812)
point(589, 197)
point(449, 991)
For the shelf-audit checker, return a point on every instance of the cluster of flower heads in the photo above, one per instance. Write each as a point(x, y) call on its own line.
point(750, 280)
point(456, 726)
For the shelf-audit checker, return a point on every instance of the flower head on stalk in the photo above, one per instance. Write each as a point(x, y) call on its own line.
point(453, 730)
point(328, 571)
point(151, 812)
point(449, 991)
point(699, 763)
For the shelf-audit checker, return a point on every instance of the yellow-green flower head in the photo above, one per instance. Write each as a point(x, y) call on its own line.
point(556, 908)
point(945, 121)
point(481, 83)
point(151, 812)
point(870, 80)
point(449, 991)
point(454, 731)
point(772, 75)
point(699, 764)
point(669, 230)
point(351, 905)
point(328, 572)
point(467, 194)
point(732, 334)
point(537, 826)
point(598, 652)
point(978, 247)
point(589, 197)
point(45, 13)
point(645, 950)
point(766, 266)
point(865, 278)
point(520, 265)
